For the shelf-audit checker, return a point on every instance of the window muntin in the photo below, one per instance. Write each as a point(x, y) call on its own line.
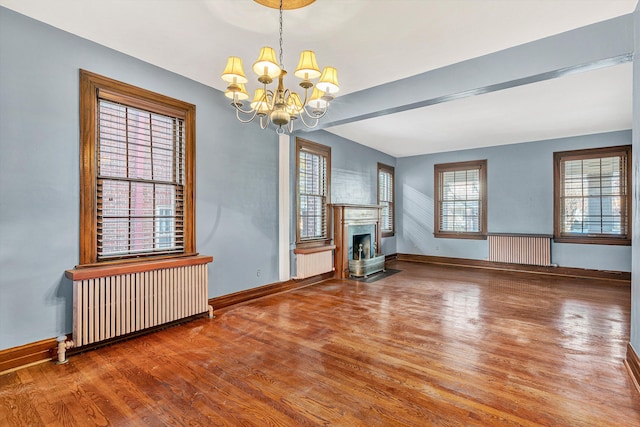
point(136, 173)
point(313, 179)
point(165, 225)
point(140, 168)
point(591, 202)
point(386, 177)
point(461, 202)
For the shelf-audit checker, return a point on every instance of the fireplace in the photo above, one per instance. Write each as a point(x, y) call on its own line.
point(361, 234)
point(361, 247)
point(357, 239)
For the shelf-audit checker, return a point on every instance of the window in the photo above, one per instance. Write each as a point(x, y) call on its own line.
point(386, 199)
point(592, 196)
point(313, 184)
point(136, 172)
point(461, 200)
point(165, 227)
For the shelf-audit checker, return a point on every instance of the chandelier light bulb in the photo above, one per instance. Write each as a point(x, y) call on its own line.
point(266, 67)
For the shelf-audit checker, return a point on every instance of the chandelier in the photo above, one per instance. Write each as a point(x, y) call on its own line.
point(281, 106)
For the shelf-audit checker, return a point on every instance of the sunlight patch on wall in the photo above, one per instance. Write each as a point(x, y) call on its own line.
point(417, 217)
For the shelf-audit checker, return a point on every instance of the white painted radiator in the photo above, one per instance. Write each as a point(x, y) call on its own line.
point(112, 306)
point(312, 264)
point(520, 249)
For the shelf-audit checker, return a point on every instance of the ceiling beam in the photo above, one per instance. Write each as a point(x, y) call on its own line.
point(587, 48)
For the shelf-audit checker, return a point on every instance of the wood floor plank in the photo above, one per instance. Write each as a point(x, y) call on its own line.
point(230, 382)
point(429, 345)
point(57, 409)
point(17, 408)
point(148, 385)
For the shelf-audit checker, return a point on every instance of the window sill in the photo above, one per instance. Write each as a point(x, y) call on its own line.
point(473, 236)
point(96, 271)
point(314, 250)
point(617, 241)
point(313, 243)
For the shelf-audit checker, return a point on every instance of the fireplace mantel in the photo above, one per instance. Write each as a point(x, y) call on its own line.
point(345, 215)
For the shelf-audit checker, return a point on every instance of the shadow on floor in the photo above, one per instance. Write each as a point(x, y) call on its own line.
point(375, 277)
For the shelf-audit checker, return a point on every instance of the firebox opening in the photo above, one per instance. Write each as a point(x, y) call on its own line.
point(362, 246)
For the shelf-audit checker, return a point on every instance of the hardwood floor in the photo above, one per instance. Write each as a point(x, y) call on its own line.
point(429, 345)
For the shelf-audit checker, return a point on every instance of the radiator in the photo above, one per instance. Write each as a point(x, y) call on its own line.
point(312, 264)
point(108, 307)
point(520, 249)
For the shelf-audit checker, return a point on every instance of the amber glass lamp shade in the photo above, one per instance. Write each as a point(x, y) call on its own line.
point(260, 102)
point(241, 92)
point(329, 81)
point(294, 104)
point(233, 72)
point(267, 65)
point(316, 101)
point(307, 66)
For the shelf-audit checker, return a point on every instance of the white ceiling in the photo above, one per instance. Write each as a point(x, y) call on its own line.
point(373, 42)
point(579, 104)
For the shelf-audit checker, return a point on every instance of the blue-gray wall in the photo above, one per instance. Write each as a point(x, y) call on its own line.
point(236, 176)
point(635, 227)
point(520, 200)
point(354, 175)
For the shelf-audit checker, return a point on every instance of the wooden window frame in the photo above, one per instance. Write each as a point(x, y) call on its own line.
point(392, 203)
point(481, 166)
point(321, 150)
point(592, 153)
point(93, 86)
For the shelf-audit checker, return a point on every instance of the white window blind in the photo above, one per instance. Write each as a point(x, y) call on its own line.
point(385, 197)
point(593, 194)
point(460, 201)
point(312, 195)
point(140, 182)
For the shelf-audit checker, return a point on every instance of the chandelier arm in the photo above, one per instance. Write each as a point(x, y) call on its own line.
point(311, 114)
point(286, 94)
point(270, 99)
point(264, 121)
point(306, 96)
point(241, 120)
point(308, 125)
point(238, 108)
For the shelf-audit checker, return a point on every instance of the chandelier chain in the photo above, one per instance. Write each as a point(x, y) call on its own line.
point(281, 62)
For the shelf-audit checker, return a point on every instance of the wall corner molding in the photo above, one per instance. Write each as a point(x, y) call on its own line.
point(390, 257)
point(632, 363)
point(622, 278)
point(247, 295)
